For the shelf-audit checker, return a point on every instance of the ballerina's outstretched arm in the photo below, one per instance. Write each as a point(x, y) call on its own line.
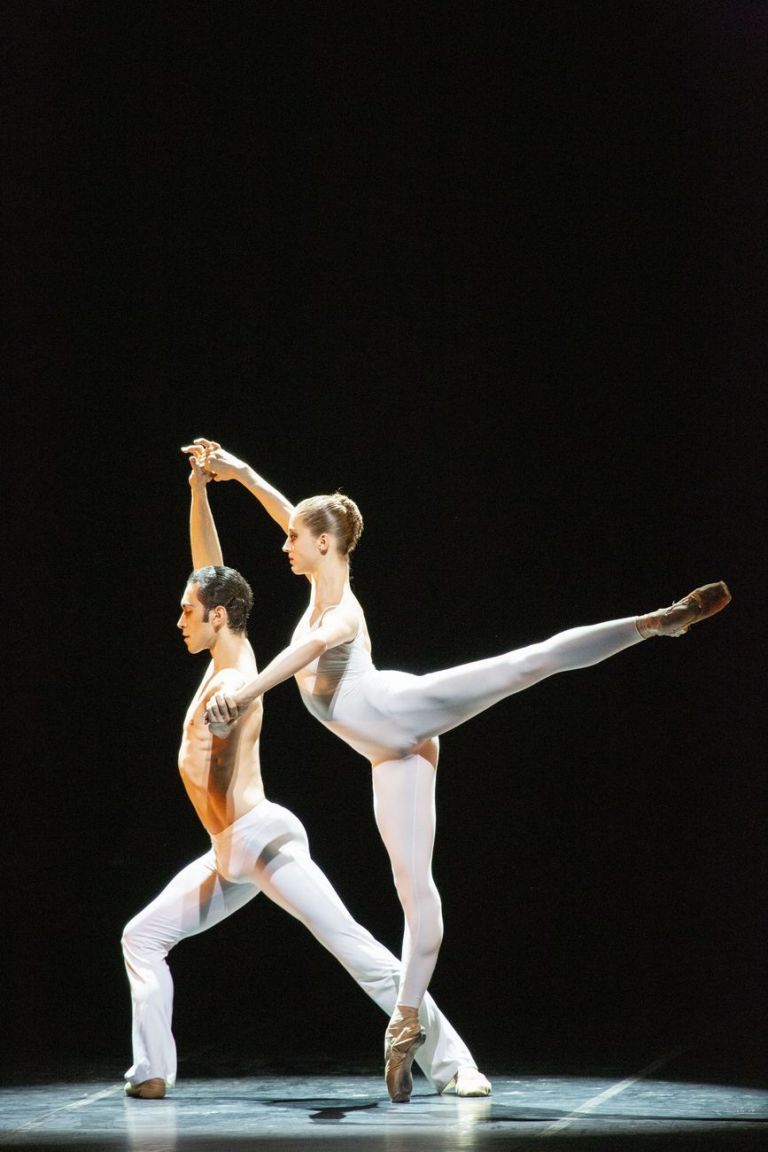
point(338, 627)
point(223, 465)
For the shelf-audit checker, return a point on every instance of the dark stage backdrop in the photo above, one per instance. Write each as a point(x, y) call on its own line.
point(493, 269)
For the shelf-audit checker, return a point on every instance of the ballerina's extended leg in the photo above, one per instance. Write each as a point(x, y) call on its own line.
point(436, 702)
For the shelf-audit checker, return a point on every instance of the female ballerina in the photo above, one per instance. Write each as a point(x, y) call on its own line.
point(393, 718)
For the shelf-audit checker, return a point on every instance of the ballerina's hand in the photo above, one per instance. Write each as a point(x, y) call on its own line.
point(199, 451)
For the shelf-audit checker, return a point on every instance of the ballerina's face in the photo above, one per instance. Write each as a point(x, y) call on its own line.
point(304, 550)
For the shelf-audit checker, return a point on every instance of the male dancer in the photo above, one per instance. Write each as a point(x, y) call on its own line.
point(256, 845)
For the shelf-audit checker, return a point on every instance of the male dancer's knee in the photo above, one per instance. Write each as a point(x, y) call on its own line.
point(141, 954)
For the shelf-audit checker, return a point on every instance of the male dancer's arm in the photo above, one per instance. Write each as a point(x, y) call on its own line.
point(222, 465)
point(203, 537)
point(204, 543)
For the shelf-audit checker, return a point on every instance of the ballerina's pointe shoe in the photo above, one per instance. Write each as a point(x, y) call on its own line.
point(467, 1082)
point(147, 1090)
point(692, 609)
point(403, 1041)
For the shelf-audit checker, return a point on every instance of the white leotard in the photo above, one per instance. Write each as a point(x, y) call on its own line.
point(346, 692)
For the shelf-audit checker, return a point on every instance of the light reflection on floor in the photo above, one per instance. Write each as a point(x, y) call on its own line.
point(352, 1112)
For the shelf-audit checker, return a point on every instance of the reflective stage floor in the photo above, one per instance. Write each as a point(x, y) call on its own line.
point(675, 1100)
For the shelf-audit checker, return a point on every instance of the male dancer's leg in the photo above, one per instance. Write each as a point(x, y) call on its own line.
point(196, 899)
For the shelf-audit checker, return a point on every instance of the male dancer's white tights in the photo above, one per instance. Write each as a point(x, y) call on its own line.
point(404, 786)
point(264, 851)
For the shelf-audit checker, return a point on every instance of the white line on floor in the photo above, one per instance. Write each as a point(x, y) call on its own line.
point(44, 1117)
point(101, 1095)
point(614, 1090)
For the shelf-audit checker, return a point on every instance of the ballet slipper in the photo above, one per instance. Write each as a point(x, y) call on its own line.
point(467, 1082)
point(404, 1037)
point(692, 609)
point(153, 1089)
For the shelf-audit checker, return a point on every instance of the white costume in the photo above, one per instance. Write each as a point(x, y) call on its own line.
point(388, 716)
point(265, 850)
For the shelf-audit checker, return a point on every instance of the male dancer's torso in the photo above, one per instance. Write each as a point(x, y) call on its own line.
point(222, 775)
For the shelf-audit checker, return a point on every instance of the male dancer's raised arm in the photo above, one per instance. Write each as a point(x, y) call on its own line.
point(203, 537)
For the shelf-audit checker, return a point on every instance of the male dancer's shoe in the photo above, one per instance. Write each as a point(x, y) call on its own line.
point(403, 1037)
point(692, 609)
point(153, 1089)
point(467, 1082)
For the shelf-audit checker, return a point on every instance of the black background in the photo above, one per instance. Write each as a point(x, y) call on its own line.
point(495, 270)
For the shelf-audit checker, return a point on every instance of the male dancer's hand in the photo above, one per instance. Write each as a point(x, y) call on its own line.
point(221, 712)
point(198, 475)
point(220, 730)
point(210, 455)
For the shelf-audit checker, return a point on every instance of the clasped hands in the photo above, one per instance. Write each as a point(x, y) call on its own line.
point(209, 461)
point(221, 714)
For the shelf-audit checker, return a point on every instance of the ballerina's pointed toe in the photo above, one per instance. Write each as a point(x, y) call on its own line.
point(400, 1053)
point(692, 609)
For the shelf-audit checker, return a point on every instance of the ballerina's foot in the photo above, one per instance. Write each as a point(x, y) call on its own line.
point(468, 1082)
point(153, 1089)
point(692, 609)
point(401, 1048)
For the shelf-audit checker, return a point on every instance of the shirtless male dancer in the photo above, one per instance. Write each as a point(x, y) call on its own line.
point(256, 845)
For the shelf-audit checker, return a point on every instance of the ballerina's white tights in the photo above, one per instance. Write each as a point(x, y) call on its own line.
point(404, 787)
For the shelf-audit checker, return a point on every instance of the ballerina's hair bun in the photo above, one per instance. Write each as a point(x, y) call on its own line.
point(335, 514)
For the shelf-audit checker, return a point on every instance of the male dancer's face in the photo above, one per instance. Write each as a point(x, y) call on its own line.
point(199, 634)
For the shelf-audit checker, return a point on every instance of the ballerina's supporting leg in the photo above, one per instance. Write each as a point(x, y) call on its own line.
point(404, 805)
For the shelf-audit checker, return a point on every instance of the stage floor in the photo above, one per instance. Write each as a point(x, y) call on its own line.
point(670, 1102)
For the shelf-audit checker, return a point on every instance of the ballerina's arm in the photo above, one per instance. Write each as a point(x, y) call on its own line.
point(223, 465)
point(338, 627)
